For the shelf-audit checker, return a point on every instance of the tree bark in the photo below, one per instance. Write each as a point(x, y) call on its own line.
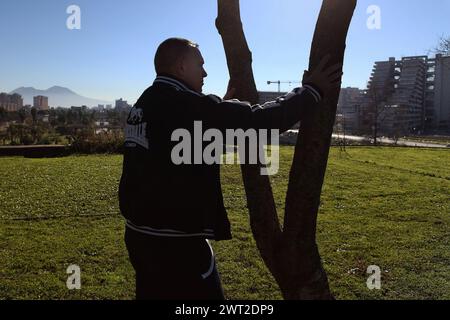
point(291, 255)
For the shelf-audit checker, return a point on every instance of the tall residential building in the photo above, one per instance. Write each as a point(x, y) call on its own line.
point(349, 109)
point(408, 96)
point(437, 112)
point(11, 102)
point(40, 102)
point(122, 104)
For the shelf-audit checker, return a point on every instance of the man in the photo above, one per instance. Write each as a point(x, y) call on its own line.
point(172, 210)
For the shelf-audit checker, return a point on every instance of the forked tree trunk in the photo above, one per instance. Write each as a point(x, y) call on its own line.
point(290, 254)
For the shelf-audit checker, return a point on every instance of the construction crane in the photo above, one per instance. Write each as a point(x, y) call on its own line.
point(280, 82)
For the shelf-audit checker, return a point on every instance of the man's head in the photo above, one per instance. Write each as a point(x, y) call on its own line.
point(182, 59)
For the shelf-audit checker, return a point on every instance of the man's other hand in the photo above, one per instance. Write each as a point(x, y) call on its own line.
point(324, 78)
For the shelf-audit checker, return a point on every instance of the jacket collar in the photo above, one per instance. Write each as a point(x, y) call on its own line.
point(175, 82)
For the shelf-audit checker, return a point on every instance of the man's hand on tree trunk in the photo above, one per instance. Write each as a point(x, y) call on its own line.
point(323, 78)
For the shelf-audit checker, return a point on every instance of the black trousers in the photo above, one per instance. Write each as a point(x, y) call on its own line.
point(173, 268)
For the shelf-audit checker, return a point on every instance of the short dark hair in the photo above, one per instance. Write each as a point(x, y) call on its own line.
point(170, 51)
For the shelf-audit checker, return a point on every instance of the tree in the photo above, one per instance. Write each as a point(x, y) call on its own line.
point(3, 137)
point(34, 114)
point(61, 116)
point(3, 114)
point(444, 46)
point(444, 49)
point(291, 253)
point(376, 110)
point(12, 133)
point(22, 115)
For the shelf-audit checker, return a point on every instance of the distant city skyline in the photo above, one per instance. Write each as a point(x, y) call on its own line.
point(58, 96)
point(111, 56)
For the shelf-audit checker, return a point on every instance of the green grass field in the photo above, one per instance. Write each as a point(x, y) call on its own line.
point(380, 206)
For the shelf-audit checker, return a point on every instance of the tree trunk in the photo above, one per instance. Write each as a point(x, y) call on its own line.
point(291, 255)
point(263, 217)
point(307, 174)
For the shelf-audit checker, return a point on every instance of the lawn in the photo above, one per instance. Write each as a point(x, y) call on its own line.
point(380, 206)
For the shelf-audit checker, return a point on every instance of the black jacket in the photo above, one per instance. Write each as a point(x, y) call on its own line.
point(160, 198)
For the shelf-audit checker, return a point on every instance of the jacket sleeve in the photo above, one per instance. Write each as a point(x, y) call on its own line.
point(282, 114)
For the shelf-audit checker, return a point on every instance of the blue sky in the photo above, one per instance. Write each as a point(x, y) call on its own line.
point(112, 55)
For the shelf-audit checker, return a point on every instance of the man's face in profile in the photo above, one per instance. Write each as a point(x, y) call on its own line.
point(193, 71)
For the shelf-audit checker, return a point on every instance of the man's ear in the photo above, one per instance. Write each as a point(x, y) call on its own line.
point(180, 66)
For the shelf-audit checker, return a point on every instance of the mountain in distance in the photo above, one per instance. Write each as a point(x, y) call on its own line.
point(57, 97)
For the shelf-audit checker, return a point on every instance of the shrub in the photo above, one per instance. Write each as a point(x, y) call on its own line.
point(98, 143)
